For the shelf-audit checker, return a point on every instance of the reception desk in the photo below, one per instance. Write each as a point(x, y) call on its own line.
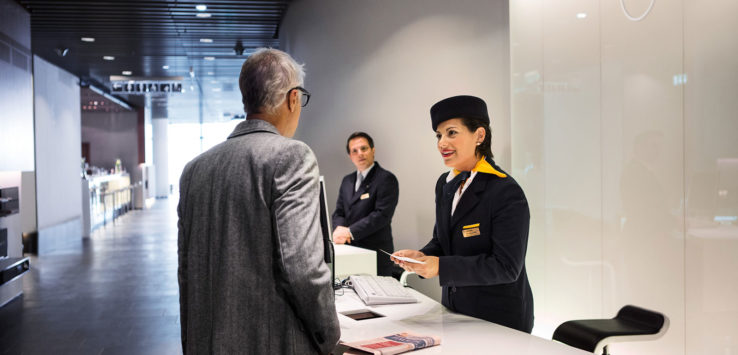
point(351, 260)
point(459, 334)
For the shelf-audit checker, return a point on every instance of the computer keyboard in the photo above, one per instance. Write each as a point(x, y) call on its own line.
point(380, 290)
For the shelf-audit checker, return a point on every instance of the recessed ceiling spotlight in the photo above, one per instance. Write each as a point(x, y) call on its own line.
point(201, 7)
point(108, 57)
point(165, 67)
point(216, 89)
point(206, 40)
point(87, 39)
point(127, 72)
point(209, 58)
point(582, 15)
point(203, 15)
point(210, 73)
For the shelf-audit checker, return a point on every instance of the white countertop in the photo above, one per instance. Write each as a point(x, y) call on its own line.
point(459, 334)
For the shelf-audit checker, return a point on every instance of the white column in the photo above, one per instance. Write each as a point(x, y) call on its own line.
point(160, 126)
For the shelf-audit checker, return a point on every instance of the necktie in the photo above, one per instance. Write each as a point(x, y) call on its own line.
point(359, 180)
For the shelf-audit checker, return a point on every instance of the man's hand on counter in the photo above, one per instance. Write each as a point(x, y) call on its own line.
point(341, 235)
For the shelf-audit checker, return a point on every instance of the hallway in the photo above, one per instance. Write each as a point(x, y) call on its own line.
point(117, 294)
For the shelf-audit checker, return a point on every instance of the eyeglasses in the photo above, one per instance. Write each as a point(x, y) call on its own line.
point(305, 97)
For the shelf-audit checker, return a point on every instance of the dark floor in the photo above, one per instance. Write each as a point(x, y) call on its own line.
point(117, 295)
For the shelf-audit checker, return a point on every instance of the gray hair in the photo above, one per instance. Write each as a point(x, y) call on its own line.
point(265, 78)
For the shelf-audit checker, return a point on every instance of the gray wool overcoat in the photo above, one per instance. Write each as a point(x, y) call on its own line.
point(252, 278)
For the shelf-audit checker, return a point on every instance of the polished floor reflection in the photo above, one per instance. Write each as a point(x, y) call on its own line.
point(117, 295)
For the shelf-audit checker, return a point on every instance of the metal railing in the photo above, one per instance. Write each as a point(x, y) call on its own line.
point(113, 203)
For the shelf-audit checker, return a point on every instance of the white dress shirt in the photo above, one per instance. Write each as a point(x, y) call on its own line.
point(361, 176)
point(459, 192)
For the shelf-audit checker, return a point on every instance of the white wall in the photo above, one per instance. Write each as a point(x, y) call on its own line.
point(624, 164)
point(58, 154)
point(378, 66)
point(16, 101)
point(16, 122)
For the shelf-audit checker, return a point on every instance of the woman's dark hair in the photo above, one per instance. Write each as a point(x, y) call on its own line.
point(359, 135)
point(484, 149)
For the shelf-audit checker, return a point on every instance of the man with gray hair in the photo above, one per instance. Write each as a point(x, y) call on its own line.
point(252, 277)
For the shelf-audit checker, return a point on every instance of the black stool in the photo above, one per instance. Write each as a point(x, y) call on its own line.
point(631, 324)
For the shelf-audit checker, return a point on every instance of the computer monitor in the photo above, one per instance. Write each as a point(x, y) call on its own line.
point(325, 227)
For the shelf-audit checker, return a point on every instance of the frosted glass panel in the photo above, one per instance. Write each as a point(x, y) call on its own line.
point(711, 176)
point(643, 166)
point(624, 137)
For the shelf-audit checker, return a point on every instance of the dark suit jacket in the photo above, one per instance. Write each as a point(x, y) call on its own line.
point(484, 275)
point(252, 278)
point(369, 218)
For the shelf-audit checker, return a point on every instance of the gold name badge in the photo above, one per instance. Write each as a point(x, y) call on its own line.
point(364, 196)
point(470, 230)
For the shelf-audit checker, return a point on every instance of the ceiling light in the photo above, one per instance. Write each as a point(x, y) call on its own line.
point(582, 15)
point(127, 72)
point(204, 15)
point(216, 89)
point(201, 7)
point(209, 58)
point(165, 67)
point(206, 40)
point(87, 39)
point(210, 73)
point(108, 57)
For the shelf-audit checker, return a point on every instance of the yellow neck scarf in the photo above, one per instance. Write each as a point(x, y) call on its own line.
point(484, 167)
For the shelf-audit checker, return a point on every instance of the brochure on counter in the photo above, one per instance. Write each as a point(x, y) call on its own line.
point(392, 344)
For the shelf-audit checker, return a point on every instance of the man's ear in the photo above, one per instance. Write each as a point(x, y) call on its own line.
point(293, 100)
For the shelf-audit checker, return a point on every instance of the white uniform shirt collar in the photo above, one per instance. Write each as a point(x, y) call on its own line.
point(459, 192)
point(365, 172)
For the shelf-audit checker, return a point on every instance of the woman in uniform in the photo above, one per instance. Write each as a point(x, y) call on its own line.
point(481, 233)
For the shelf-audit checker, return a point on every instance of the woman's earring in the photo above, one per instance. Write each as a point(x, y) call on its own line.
point(479, 143)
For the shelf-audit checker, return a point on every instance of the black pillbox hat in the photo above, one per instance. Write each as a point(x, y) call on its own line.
point(457, 107)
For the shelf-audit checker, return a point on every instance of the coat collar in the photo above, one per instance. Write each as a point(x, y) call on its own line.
point(251, 126)
point(472, 195)
point(470, 198)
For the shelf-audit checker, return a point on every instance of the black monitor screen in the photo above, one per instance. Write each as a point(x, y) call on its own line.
point(325, 227)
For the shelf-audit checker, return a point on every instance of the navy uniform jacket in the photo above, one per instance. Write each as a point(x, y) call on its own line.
point(368, 212)
point(483, 274)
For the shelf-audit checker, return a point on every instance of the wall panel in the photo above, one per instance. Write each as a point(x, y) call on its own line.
point(711, 176)
point(16, 101)
point(58, 156)
point(660, 101)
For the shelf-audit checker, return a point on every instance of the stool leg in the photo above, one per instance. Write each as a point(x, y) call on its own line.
point(604, 351)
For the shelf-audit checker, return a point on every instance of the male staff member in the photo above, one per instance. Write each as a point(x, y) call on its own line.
point(252, 279)
point(366, 203)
